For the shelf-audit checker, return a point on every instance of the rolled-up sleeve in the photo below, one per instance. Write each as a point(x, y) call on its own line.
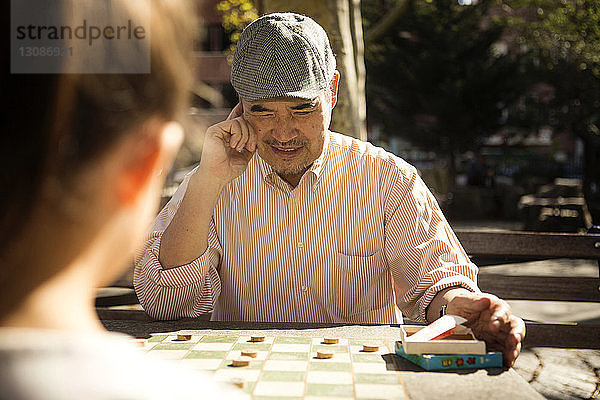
point(184, 291)
point(423, 253)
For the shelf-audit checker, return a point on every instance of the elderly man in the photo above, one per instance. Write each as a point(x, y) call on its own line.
point(284, 220)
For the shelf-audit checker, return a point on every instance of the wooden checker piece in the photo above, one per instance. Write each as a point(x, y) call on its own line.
point(250, 353)
point(239, 382)
point(370, 348)
point(242, 361)
point(183, 338)
point(324, 354)
point(257, 339)
point(331, 340)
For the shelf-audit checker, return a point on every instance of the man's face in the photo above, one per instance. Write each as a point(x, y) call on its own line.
point(290, 133)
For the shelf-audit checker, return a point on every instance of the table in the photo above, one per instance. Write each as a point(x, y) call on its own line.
point(491, 383)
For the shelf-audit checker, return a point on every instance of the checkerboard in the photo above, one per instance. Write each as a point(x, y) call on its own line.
point(287, 367)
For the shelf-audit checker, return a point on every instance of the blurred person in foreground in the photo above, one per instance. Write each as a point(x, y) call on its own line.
point(284, 220)
point(82, 167)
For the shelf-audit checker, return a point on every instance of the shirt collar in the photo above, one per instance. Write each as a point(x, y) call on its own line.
point(319, 164)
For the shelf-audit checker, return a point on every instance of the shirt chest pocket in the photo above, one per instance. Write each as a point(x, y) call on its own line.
point(362, 284)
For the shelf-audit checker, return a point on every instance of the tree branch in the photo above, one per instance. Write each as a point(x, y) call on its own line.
point(386, 23)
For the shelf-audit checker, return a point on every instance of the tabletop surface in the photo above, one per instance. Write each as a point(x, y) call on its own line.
point(490, 383)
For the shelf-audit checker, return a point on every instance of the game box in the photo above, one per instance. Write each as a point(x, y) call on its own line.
point(454, 348)
point(458, 340)
point(436, 362)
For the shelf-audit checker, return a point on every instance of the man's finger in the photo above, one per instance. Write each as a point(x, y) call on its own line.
point(510, 354)
point(245, 134)
point(236, 134)
point(237, 111)
point(252, 138)
point(500, 314)
point(517, 328)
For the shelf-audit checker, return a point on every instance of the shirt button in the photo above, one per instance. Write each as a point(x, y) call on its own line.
point(300, 245)
point(304, 288)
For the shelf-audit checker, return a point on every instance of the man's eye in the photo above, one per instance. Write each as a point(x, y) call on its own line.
point(303, 112)
point(265, 115)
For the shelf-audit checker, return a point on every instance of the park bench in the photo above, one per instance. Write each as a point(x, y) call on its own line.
point(500, 247)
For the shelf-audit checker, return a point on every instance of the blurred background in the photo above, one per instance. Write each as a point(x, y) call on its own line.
point(496, 102)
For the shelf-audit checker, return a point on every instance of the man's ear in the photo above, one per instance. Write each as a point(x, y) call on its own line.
point(146, 154)
point(334, 88)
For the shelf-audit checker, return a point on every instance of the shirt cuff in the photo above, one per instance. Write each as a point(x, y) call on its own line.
point(188, 274)
point(452, 281)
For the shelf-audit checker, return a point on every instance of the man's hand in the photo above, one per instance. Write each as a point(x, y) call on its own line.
point(490, 319)
point(228, 146)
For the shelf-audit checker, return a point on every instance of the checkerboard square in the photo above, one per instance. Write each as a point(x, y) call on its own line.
point(329, 366)
point(367, 358)
point(372, 368)
point(206, 354)
point(226, 375)
point(279, 389)
point(337, 377)
point(173, 346)
point(288, 356)
point(168, 354)
point(219, 339)
point(283, 376)
point(291, 347)
point(317, 389)
point(212, 346)
point(291, 340)
point(395, 392)
point(202, 364)
point(157, 338)
point(382, 379)
point(281, 365)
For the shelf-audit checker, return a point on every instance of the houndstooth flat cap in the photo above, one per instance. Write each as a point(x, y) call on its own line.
point(282, 55)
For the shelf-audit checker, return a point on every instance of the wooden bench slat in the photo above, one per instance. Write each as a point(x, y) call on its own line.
point(529, 244)
point(550, 288)
point(562, 335)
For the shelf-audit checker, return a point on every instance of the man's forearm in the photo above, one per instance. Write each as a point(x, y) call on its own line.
point(186, 237)
point(442, 298)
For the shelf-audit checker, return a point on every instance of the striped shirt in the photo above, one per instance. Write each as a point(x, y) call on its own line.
point(360, 234)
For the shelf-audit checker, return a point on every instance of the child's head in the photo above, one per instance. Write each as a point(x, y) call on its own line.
point(80, 166)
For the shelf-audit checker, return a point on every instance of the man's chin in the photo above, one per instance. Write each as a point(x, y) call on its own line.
point(284, 167)
point(288, 170)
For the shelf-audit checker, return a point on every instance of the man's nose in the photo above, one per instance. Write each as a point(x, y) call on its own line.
point(285, 129)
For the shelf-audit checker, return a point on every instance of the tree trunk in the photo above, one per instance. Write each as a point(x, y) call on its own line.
point(341, 20)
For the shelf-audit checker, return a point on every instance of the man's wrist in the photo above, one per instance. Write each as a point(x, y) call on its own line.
point(206, 181)
point(442, 298)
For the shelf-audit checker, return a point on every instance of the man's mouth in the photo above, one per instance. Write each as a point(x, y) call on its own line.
point(286, 152)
